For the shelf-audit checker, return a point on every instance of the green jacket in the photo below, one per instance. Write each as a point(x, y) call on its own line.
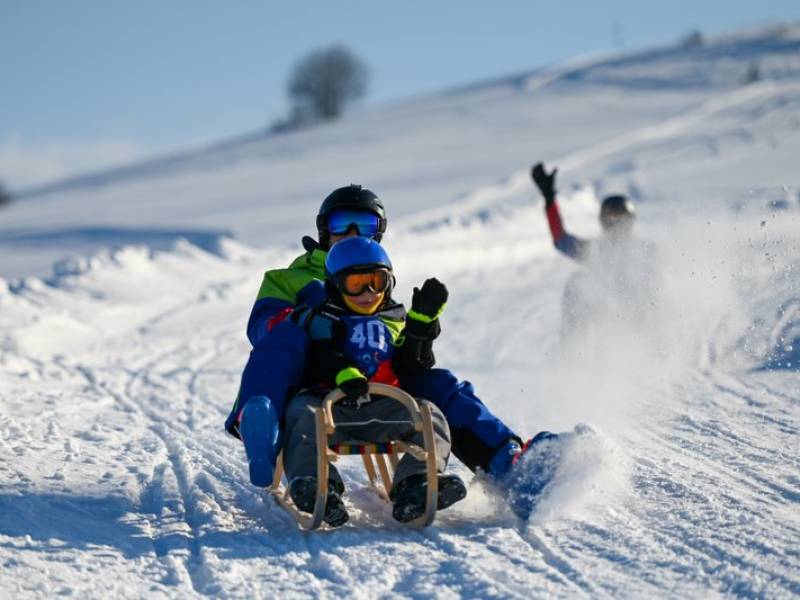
point(283, 289)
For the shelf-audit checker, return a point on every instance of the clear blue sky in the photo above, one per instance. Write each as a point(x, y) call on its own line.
point(161, 74)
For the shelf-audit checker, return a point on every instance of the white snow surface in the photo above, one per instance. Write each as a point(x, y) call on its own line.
point(126, 293)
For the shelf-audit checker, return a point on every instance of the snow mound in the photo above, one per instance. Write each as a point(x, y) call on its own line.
point(119, 291)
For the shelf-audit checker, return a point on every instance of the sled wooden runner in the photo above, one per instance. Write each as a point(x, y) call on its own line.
point(373, 455)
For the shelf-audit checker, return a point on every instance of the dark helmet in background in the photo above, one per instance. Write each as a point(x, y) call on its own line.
point(617, 212)
point(351, 198)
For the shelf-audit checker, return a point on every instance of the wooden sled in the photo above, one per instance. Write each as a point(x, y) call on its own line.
point(373, 455)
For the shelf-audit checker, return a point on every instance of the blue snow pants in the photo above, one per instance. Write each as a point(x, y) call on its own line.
point(274, 369)
point(475, 432)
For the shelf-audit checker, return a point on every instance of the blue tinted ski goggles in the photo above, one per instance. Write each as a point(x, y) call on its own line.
point(342, 220)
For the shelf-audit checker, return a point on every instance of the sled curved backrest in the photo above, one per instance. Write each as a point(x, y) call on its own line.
point(376, 389)
point(421, 420)
point(372, 454)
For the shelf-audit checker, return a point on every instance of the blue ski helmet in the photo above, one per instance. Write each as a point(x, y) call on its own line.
point(356, 253)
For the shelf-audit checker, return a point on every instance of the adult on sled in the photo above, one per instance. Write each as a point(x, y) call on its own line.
point(277, 361)
point(357, 336)
point(619, 268)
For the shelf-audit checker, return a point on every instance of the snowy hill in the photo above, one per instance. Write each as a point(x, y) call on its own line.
point(119, 363)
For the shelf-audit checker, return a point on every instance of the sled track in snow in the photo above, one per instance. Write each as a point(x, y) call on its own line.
point(155, 497)
point(570, 575)
point(172, 421)
point(710, 483)
point(162, 395)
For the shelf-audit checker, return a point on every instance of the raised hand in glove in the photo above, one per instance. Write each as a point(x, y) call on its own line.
point(546, 182)
point(353, 383)
point(428, 302)
point(422, 327)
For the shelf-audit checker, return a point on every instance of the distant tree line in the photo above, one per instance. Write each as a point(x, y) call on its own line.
point(322, 85)
point(695, 39)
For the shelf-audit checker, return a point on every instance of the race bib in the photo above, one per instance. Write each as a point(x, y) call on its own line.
point(368, 343)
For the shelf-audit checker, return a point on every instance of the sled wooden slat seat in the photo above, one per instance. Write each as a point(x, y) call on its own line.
point(373, 455)
point(358, 448)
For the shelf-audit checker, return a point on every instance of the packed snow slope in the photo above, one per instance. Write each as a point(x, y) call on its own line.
point(117, 368)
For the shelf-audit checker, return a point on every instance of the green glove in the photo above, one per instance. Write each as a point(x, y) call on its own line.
point(353, 383)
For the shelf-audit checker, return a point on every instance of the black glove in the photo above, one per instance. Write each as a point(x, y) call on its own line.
point(325, 356)
point(421, 330)
point(546, 182)
point(413, 357)
point(430, 300)
point(354, 388)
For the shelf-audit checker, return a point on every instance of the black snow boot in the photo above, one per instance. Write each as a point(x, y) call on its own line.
point(303, 491)
point(409, 495)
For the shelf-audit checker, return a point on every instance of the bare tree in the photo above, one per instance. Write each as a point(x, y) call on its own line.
point(324, 82)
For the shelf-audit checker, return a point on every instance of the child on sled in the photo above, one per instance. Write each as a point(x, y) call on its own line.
point(361, 335)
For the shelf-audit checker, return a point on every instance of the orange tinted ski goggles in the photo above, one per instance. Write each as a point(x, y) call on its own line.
point(356, 283)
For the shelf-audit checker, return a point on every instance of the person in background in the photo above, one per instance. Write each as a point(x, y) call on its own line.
point(617, 216)
point(621, 271)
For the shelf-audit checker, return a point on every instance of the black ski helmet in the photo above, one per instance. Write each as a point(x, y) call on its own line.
point(615, 210)
point(355, 197)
